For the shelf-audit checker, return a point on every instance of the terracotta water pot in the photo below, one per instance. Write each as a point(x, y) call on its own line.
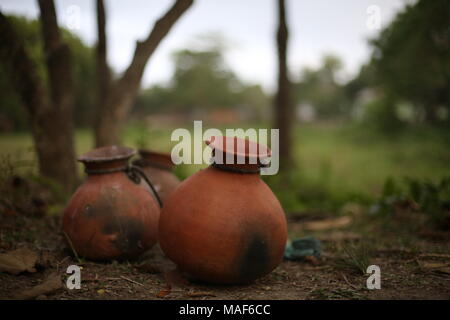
point(224, 224)
point(158, 167)
point(113, 214)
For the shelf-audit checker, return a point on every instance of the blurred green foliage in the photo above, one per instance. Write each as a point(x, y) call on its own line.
point(12, 114)
point(419, 195)
point(320, 88)
point(335, 164)
point(411, 59)
point(380, 114)
point(203, 82)
point(339, 164)
point(405, 81)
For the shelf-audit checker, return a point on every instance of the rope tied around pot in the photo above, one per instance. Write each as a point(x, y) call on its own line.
point(134, 173)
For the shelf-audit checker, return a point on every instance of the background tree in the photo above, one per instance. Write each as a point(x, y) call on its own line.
point(283, 104)
point(117, 96)
point(202, 81)
point(49, 104)
point(320, 88)
point(412, 57)
point(13, 115)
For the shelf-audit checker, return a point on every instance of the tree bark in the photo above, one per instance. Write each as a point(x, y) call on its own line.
point(122, 92)
point(49, 115)
point(59, 69)
point(431, 116)
point(283, 105)
point(103, 71)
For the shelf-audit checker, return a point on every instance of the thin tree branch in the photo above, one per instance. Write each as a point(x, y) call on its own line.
point(122, 92)
point(132, 76)
point(161, 28)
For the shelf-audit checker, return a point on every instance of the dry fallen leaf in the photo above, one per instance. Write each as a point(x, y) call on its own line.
point(438, 267)
point(445, 270)
point(200, 294)
point(51, 284)
point(18, 261)
point(46, 259)
point(312, 260)
point(163, 293)
point(433, 265)
point(332, 223)
point(174, 281)
point(435, 255)
point(337, 236)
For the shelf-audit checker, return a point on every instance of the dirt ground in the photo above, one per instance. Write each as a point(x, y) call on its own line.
point(411, 267)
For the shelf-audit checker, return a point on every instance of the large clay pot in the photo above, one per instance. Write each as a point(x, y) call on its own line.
point(224, 224)
point(113, 214)
point(158, 167)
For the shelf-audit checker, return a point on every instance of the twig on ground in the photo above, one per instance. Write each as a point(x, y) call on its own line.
point(72, 247)
point(60, 262)
point(132, 281)
point(348, 282)
point(435, 255)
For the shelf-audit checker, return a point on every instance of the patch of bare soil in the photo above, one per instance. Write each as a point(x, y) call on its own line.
point(405, 274)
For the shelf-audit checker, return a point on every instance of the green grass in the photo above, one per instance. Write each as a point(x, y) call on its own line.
point(356, 159)
point(354, 258)
point(333, 160)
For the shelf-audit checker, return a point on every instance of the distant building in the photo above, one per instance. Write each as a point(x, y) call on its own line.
point(306, 112)
point(363, 98)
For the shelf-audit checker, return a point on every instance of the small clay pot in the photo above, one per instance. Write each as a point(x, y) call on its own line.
point(113, 214)
point(224, 224)
point(158, 167)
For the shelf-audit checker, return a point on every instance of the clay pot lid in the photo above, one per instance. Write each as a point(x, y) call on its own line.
point(109, 153)
point(239, 147)
point(161, 158)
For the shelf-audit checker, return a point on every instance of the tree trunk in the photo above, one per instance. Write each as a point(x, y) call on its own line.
point(283, 107)
point(121, 94)
point(431, 114)
point(103, 72)
point(50, 117)
point(59, 68)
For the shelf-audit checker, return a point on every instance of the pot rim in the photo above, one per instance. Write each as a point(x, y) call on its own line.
point(148, 152)
point(110, 153)
point(262, 152)
point(156, 159)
